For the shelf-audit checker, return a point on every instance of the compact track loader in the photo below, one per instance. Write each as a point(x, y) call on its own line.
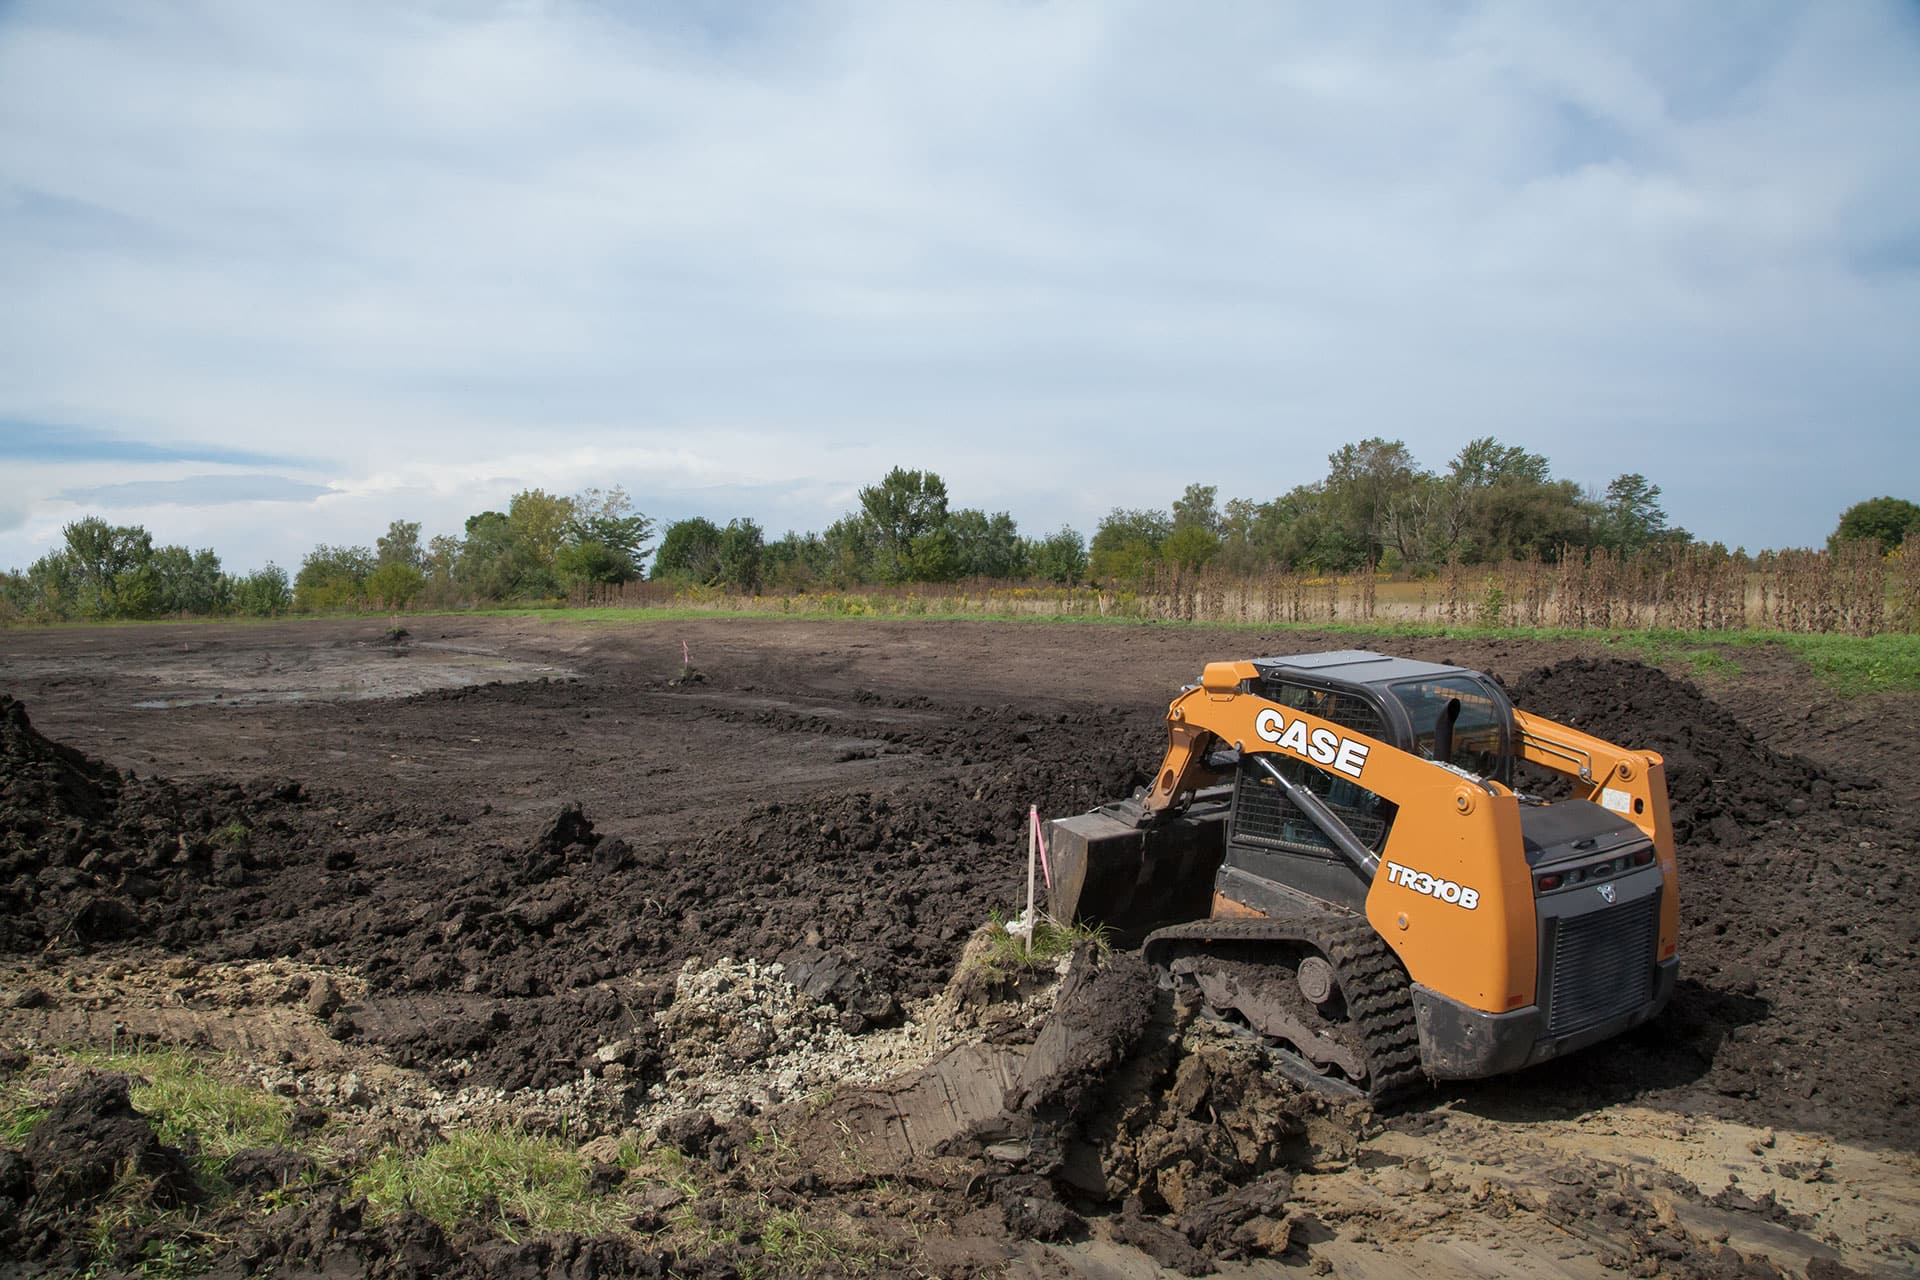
point(1334, 856)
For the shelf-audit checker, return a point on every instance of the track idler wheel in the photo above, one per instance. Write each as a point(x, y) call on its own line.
point(1292, 1000)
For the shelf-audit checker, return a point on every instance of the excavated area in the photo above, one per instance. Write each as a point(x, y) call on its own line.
point(689, 903)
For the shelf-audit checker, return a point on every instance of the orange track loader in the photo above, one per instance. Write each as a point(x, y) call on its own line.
point(1335, 854)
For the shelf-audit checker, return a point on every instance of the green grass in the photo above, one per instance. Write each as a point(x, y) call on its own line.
point(1007, 953)
point(174, 1248)
point(516, 1184)
point(1861, 664)
point(191, 1106)
point(791, 1242)
point(795, 1244)
point(538, 1184)
point(196, 1109)
point(20, 1110)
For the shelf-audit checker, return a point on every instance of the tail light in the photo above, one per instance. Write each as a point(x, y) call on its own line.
point(1548, 883)
point(1643, 857)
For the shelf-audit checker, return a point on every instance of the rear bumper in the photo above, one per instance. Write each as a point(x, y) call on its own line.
point(1462, 1043)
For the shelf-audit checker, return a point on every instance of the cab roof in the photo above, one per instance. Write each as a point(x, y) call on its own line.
point(1354, 666)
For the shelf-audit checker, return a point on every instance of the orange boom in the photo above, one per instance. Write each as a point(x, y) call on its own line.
point(1337, 853)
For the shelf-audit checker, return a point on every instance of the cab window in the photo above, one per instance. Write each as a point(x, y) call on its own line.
point(1480, 733)
point(1346, 709)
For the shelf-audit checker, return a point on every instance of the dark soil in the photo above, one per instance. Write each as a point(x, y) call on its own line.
point(89, 855)
point(1797, 932)
point(90, 1142)
point(859, 828)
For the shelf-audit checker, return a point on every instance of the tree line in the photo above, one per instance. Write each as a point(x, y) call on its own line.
point(1376, 507)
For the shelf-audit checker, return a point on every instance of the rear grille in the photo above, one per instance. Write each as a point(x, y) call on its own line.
point(1601, 965)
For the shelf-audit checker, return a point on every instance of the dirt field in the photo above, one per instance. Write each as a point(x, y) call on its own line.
point(345, 859)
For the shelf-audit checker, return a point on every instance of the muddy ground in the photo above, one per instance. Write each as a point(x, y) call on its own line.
point(529, 872)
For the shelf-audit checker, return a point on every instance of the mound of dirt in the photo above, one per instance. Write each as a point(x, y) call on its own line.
point(88, 855)
point(1724, 786)
point(89, 1144)
point(331, 1235)
point(1796, 923)
point(1107, 1101)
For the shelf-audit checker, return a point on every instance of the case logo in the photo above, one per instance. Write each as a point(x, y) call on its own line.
point(1321, 746)
point(1606, 891)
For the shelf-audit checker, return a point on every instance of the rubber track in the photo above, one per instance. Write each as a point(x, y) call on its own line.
point(1378, 995)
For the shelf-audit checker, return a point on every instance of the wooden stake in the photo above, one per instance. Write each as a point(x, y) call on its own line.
point(1032, 826)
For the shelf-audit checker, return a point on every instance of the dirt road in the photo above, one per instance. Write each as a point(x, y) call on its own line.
point(384, 812)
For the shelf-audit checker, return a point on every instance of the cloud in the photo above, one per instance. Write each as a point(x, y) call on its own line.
point(1071, 257)
point(197, 491)
point(50, 442)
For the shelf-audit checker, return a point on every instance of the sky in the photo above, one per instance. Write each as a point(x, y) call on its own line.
point(275, 275)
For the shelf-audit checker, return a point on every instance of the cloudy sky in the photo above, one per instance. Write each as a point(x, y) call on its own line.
point(274, 274)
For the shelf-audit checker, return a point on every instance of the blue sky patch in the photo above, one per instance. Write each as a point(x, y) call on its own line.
point(51, 442)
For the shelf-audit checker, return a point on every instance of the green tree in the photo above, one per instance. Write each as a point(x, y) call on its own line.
point(487, 565)
point(109, 570)
point(1631, 516)
point(264, 593)
point(593, 561)
point(538, 523)
point(1126, 541)
point(899, 512)
point(443, 555)
point(46, 591)
point(988, 546)
point(689, 552)
point(935, 556)
point(847, 547)
point(1494, 501)
point(190, 582)
point(1293, 532)
point(606, 518)
point(1198, 508)
point(1371, 494)
point(1239, 552)
point(740, 549)
point(333, 578)
point(1059, 557)
point(1190, 546)
point(394, 585)
point(1885, 521)
point(401, 545)
point(795, 561)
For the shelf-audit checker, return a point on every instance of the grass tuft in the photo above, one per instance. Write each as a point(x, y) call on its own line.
point(196, 1110)
point(1008, 953)
point(536, 1184)
point(20, 1110)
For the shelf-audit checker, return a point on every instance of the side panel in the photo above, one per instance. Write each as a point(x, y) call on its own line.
point(1454, 898)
